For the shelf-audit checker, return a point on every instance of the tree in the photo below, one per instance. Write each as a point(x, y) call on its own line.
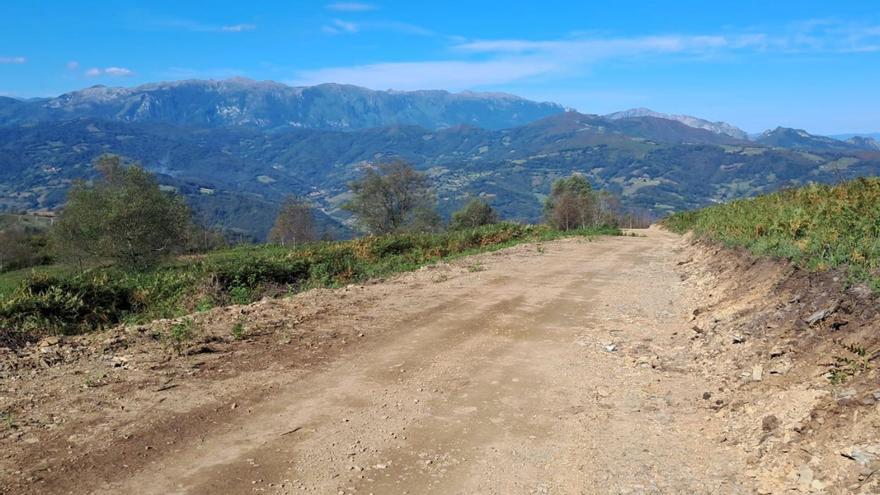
point(393, 197)
point(474, 214)
point(123, 217)
point(294, 224)
point(571, 204)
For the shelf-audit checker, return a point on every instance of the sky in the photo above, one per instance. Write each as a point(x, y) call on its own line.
point(756, 64)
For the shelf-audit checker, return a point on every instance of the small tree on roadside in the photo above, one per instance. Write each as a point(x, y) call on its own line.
point(571, 204)
point(474, 214)
point(123, 217)
point(393, 197)
point(295, 223)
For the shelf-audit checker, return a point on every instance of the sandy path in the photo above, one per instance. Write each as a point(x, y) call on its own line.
point(498, 382)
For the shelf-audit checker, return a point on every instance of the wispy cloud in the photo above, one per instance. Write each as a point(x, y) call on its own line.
point(13, 60)
point(338, 26)
point(494, 62)
point(199, 27)
point(72, 65)
point(109, 71)
point(238, 28)
point(488, 62)
point(351, 6)
point(451, 74)
point(397, 27)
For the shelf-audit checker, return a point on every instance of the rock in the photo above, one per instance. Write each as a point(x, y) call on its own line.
point(805, 476)
point(863, 454)
point(738, 339)
point(770, 423)
point(757, 373)
point(780, 367)
point(610, 347)
point(50, 341)
point(844, 396)
point(707, 395)
point(821, 314)
point(119, 361)
point(776, 352)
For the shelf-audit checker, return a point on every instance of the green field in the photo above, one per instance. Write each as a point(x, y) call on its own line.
point(817, 227)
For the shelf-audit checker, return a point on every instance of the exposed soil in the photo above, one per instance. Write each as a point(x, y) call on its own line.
point(620, 365)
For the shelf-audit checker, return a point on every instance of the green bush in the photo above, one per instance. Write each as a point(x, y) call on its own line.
point(67, 305)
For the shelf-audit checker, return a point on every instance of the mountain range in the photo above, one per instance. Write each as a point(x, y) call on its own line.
point(272, 105)
point(716, 127)
point(235, 148)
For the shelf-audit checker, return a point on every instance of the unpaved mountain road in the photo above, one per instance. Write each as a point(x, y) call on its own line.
point(562, 368)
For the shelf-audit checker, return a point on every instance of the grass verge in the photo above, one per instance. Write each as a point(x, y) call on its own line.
point(65, 302)
point(816, 227)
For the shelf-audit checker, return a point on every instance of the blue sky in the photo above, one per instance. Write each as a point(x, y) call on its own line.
point(807, 64)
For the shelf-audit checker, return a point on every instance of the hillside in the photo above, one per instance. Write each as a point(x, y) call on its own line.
point(818, 227)
point(268, 105)
point(235, 147)
point(234, 176)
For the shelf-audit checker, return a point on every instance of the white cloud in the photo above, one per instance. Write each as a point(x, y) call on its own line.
point(238, 28)
point(351, 6)
point(72, 65)
point(398, 27)
point(599, 48)
point(199, 27)
point(339, 26)
point(503, 61)
point(496, 62)
point(13, 60)
point(109, 71)
point(421, 75)
point(118, 71)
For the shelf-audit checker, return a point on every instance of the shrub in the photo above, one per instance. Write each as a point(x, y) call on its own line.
point(475, 213)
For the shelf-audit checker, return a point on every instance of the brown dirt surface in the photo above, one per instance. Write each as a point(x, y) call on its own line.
point(617, 365)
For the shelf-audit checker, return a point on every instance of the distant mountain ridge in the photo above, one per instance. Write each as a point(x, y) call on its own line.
point(690, 121)
point(236, 147)
point(799, 139)
point(235, 176)
point(267, 105)
point(863, 142)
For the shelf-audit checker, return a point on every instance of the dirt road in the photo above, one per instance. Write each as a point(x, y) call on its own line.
point(561, 368)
